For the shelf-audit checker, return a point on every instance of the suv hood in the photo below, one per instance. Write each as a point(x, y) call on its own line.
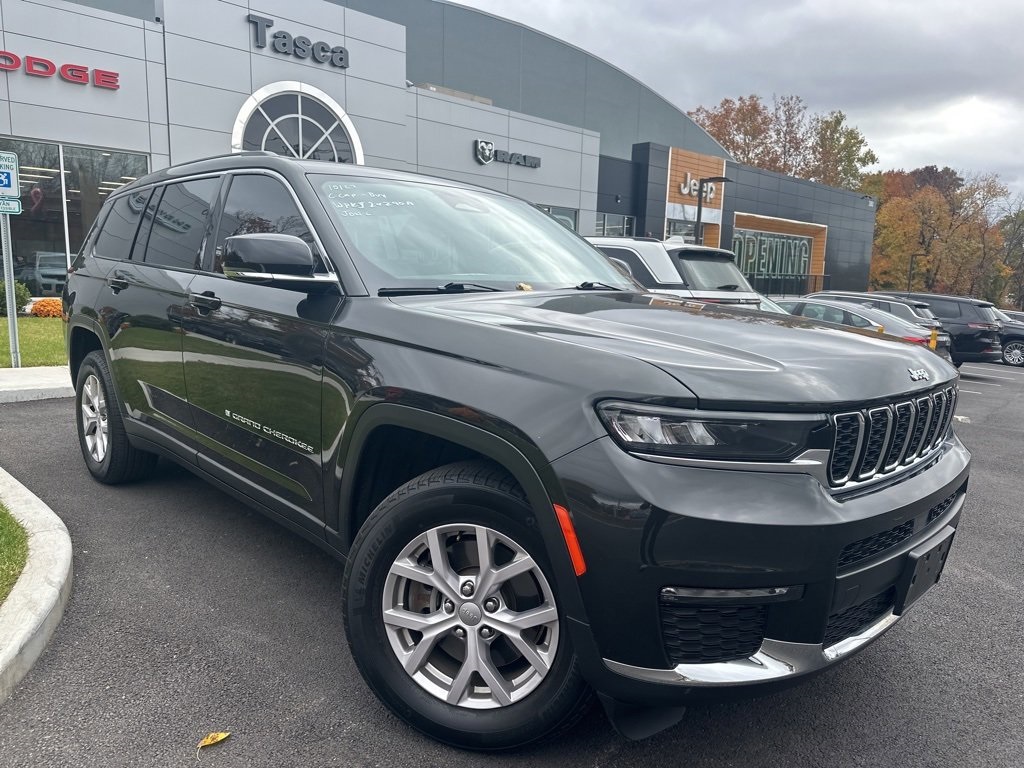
point(726, 356)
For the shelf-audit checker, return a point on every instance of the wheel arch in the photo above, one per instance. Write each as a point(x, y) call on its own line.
point(536, 478)
point(83, 338)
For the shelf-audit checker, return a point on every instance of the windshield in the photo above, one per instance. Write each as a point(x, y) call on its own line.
point(405, 234)
point(709, 273)
point(1003, 316)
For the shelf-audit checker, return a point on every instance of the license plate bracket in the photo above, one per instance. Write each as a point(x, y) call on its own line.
point(923, 569)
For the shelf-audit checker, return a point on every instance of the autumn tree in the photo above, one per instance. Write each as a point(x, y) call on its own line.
point(939, 232)
point(784, 138)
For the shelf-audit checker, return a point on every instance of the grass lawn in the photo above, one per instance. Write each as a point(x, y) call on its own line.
point(41, 340)
point(13, 551)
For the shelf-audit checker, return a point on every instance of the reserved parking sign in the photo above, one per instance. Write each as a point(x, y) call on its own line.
point(9, 185)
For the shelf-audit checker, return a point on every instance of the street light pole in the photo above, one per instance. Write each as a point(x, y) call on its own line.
point(698, 227)
point(910, 271)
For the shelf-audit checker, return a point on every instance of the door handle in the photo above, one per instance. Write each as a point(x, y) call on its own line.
point(204, 301)
point(117, 284)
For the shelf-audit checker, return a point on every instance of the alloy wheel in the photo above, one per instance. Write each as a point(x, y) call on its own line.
point(1013, 353)
point(470, 616)
point(96, 430)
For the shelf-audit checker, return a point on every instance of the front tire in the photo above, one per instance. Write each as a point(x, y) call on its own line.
point(109, 456)
point(1013, 353)
point(452, 616)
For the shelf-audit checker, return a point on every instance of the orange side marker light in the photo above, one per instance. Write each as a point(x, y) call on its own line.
point(571, 542)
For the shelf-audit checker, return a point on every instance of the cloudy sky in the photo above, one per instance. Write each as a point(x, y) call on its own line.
point(928, 82)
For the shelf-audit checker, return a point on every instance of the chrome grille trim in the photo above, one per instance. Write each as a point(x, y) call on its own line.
point(879, 421)
point(889, 438)
point(840, 423)
point(904, 424)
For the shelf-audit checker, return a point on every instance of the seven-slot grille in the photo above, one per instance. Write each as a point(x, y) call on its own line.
point(879, 441)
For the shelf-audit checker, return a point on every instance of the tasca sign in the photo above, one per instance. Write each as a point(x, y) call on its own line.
point(299, 46)
point(485, 152)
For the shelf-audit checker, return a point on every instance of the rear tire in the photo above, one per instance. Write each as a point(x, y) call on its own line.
point(1013, 353)
point(109, 456)
point(440, 629)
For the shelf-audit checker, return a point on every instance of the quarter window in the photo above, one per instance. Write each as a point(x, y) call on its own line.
point(179, 224)
point(115, 239)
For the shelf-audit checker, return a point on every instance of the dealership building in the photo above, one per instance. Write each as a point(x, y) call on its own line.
point(95, 93)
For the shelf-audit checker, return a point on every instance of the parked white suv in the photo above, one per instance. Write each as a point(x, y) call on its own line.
point(681, 269)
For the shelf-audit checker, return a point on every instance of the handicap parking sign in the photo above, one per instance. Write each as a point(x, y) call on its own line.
point(9, 186)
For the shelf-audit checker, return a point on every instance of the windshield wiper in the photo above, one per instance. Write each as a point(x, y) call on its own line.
point(591, 286)
point(446, 288)
point(727, 287)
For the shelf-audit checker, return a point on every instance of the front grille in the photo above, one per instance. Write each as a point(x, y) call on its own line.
point(940, 509)
point(701, 634)
point(858, 617)
point(879, 441)
point(872, 545)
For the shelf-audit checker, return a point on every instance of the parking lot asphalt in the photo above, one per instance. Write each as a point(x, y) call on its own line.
point(191, 613)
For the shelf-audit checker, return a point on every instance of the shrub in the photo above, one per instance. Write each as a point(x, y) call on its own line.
point(47, 308)
point(21, 297)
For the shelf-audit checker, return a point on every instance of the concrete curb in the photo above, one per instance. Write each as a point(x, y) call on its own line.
point(35, 606)
point(19, 385)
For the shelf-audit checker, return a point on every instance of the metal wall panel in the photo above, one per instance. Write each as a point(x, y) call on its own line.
point(51, 124)
point(195, 61)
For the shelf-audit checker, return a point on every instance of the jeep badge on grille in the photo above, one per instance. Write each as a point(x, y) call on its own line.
point(918, 374)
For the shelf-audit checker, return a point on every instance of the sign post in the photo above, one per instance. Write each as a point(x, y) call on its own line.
point(10, 203)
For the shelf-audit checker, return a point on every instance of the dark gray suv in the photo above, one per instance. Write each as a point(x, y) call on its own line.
point(543, 481)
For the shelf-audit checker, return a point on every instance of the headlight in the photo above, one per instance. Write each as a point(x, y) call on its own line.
point(728, 436)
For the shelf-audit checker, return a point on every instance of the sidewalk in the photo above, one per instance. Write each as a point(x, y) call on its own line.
point(32, 611)
point(18, 385)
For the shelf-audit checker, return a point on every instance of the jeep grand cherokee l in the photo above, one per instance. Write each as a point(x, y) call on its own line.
point(544, 482)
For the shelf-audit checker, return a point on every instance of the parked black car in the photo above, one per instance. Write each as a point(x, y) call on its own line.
point(971, 324)
point(543, 481)
point(1011, 336)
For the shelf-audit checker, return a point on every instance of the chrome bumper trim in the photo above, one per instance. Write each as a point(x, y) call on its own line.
point(776, 660)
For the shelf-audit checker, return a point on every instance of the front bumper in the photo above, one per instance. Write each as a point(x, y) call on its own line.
point(645, 526)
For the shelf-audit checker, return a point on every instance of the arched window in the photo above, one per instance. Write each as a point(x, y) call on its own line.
point(296, 120)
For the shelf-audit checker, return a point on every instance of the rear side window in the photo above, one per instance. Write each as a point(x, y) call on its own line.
point(986, 314)
point(857, 321)
point(944, 308)
point(179, 225)
point(115, 238)
point(636, 266)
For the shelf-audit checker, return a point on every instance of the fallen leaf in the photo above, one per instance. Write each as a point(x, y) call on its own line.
point(212, 738)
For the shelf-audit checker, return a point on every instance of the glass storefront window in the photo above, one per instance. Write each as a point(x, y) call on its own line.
point(683, 229)
point(42, 232)
point(614, 225)
point(91, 175)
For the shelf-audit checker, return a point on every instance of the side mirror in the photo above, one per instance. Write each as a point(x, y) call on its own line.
point(264, 257)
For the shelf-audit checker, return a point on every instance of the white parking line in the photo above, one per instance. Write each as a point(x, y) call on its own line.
point(985, 371)
point(969, 392)
point(992, 376)
point(982, 383)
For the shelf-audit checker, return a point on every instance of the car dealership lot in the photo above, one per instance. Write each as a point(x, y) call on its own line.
point(191, 613)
